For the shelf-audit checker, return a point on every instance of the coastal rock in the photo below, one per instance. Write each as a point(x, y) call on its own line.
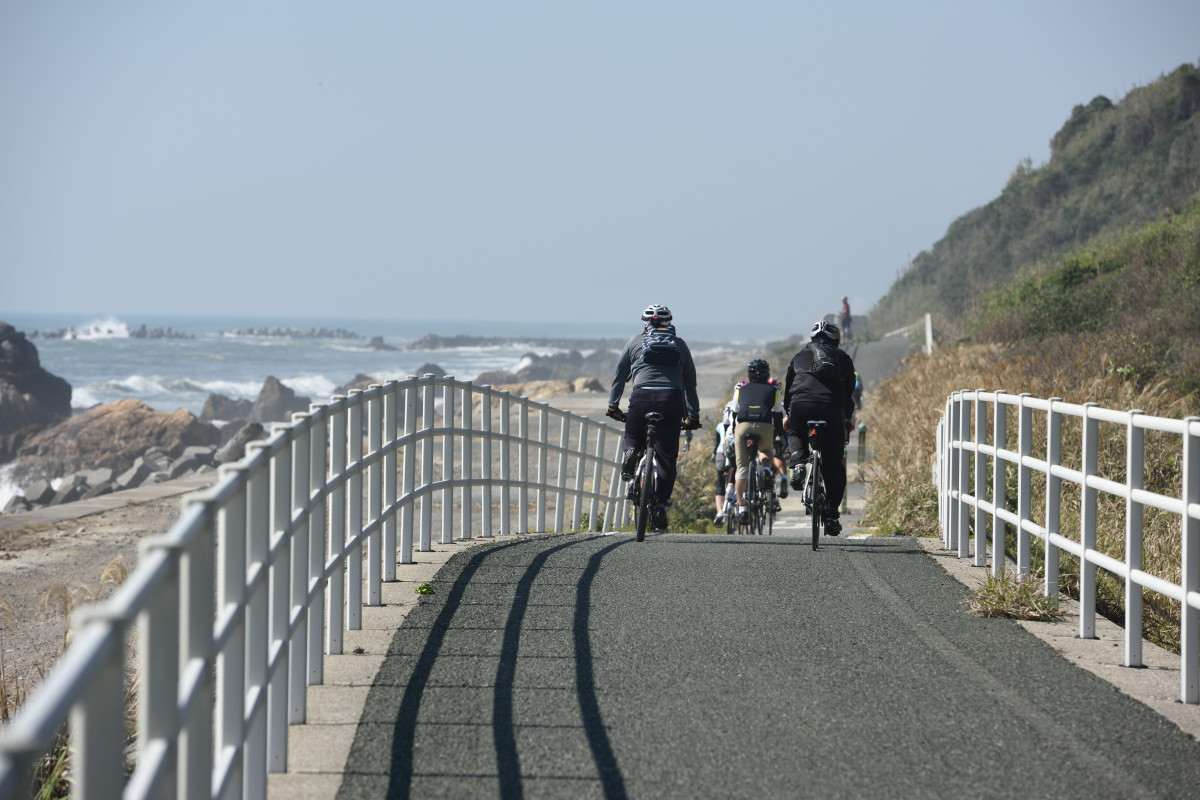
point(361, 382)
point(112, 435)
point(430, 369)
point(537, 390)
point(29, 395)
point(218, 406)
point(277, 403)
point(235, 448)
point(495, 377)
point(377, 343)
point(589, 385)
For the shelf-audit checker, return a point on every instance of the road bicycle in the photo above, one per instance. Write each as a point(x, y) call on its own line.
point(760, 497)
point(814, 483)
point(642, 491)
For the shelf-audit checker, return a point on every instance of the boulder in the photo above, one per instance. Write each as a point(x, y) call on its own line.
point(29, 395)
point(218, 406)
point(183, 465)
point(235, 449)
point(68, 493)
point(102, 488)
point(15, 505)
point(202, 453)
point(360, 381)
point(133, 476)
point(113, 435)
point(40, 492)
point(430, 369)
point(95, 477)
point(277, 403)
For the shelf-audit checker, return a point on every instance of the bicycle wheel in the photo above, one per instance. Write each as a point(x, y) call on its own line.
point(753, 499)
point(814, 490)
point(646, 500)
point(770, 501)
point(730, 517)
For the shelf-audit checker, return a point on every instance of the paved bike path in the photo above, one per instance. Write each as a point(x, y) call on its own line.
point(713, 666)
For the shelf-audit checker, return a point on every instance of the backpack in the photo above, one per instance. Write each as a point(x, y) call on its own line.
point(824, 360)
point(659, 346)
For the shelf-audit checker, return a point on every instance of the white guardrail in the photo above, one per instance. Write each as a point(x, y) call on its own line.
point(229, 614)
point(965, 451)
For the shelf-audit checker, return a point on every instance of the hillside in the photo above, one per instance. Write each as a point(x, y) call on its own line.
point(1111, 167)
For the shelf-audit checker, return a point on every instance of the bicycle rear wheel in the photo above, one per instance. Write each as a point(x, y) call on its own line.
point(754, 500)
point(646, 496)
point(818, 498)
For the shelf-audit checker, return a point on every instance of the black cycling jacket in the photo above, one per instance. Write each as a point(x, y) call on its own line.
point(802, 386)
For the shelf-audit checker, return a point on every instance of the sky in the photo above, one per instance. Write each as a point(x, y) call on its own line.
point(523, 160)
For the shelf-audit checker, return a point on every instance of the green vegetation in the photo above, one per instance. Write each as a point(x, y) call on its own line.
point(1111, 166)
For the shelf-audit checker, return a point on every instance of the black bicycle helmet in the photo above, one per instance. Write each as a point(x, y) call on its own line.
point(758, 370)
point(826, 329)
point(657, 315)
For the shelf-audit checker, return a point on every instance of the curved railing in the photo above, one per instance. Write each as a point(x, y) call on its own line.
point(230, 613)
point(972, 472)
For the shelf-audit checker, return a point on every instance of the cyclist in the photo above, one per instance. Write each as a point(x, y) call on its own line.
point(663, 376)
point(722, 462)
point(755, 402)
point(820, 385)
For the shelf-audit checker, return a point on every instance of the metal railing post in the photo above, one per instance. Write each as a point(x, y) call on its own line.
point(1135, 455)
point(390, 407)
point(427, 434)
point(594, 505)
point(999, 482)
point(280, 571)
point(98, 718)
point(298, 641)
point(354, 518)
point(1024, 484)
point(505, 467)
point(1053, 494)
point(374, 549)
point(158, 639)
point(962, 432)
point(580, 468)
point(523, 465)
point(564, 443)
point(467, 519)
point(448, 461)
point(335, 600)
point(485, 467)
point(543, 475)
point(195, 657)
point(230, 666)
point(258, 604)
point(410, 469)
point(979, 477)
point(1087, 526)
point(1189, 578)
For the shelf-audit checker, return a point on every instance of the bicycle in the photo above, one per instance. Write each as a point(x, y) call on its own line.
point(814, 483)
point(643, 487)
point(760, 495)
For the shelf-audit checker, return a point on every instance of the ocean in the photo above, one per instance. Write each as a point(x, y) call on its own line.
point(103, 362)
point(229, 355)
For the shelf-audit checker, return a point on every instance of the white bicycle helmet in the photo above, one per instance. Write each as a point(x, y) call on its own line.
point(826, 329)
point(657, 315)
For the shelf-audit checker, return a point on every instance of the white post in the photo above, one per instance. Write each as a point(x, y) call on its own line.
point(1053, 493)
point(1190, 565)
point(580, 467)
point(594, 505)
point(523, 466)
point(505, 466)
point(485, 419)
point(1024, 484)
point(158, 639)
point(231, 591)
point(928, 334)
point(390, 407)
point(543, 475)
point(1087, 526)
point(999, 483)
point(374, 495)
point(354, 519)
point(564, 442)
point(410, 468)
point(1135, 454)
point(277, 693)
point(258, 500)
point(979, 487)
point(448, 461)
point(960, 509)
point(426, 543)
point(336, 597)
point(297, 643)
point(468, 463)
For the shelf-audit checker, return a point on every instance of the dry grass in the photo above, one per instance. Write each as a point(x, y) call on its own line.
point(1007, 596)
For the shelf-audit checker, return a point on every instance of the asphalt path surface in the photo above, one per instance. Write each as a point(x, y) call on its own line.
point(588, 666)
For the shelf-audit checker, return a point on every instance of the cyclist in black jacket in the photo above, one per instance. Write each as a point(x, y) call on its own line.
point(664, 380)
point(820, 385)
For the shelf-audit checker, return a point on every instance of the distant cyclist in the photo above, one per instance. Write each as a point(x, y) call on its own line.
point(663, 376)
point(820, 385)
point(755, 402)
